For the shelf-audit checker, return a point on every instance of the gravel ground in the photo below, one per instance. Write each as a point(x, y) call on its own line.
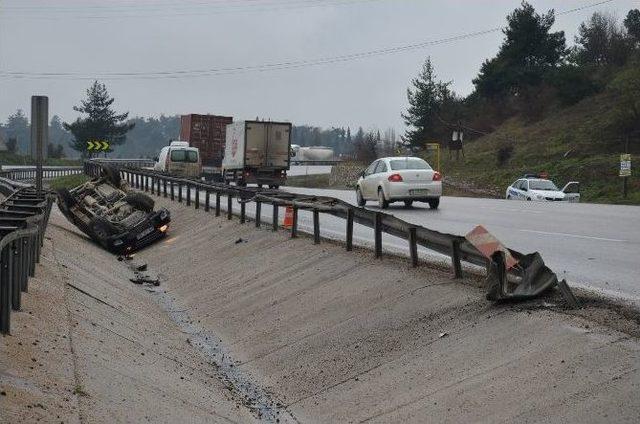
point(250, 325)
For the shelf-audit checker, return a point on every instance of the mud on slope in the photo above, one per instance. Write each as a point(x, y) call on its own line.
point(341, 337)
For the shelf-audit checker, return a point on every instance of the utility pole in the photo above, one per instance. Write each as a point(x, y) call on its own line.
point(39, 134)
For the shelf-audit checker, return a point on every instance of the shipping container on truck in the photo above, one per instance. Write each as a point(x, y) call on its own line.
point(207, 133)
point(257, 152)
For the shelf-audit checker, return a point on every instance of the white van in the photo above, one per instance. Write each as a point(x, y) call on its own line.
point(179, 159)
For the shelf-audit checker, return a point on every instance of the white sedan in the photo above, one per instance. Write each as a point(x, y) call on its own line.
point(399, 179)
point(542, 190)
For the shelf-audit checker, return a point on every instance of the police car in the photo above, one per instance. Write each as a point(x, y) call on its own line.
point(535, 188)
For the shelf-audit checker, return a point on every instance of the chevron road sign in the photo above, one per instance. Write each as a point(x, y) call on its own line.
point(98, 145)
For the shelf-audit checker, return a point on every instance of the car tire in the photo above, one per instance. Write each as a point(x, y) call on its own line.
point(65, 199)
point(434, 203)
point(112, 175)
point(509, 197)
point(408, 203)
point(382, 202)
point(529, 199)
point(359, 199)
point(140, 201)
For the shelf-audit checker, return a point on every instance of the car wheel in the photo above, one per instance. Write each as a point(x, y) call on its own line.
point(140, 201)
point(408, 203)
point(112, 175)
point(529, 198)
point(509, 197)
point(382, 202)
point(434, 203)
point(359, 199)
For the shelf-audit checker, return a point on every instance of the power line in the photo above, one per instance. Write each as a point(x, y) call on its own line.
point(171, 10)
point(293, 64)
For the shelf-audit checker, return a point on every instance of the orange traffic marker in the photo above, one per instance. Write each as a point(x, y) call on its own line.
point(487, 244)
point(288, 217)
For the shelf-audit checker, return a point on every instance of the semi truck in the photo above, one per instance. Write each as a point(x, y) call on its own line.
point(207, 134)
point(257, 152)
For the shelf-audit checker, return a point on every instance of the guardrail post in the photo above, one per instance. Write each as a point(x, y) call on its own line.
point(5, 290)
point(229, 206)
point(316, 226)
point(137, 181)
point(188, 194)
point(207, 200)
point(172, 191)
point(349, 235)
point(258, 213)
point(158, 188)
point(31, 243)
point(153, 185)
point(242, 212)
point(164, 187)
point(179, 192)
point(197, 196)
point(455, 258)
point(17, 273)
point(377, 229)
point(146, 183)
point(217, 203)
point(294, 223)
point(413, 246)
point(275, 217)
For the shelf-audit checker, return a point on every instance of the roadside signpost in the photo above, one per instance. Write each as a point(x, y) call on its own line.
point(39, 134)
point(625, 172)
point(431, 147)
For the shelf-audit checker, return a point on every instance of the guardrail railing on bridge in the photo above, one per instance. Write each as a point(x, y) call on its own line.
point(24, 214)
point(29, 173)
point(529, 279)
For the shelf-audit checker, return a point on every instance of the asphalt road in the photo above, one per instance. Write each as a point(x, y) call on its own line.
point(588, 244)
point(591, 245)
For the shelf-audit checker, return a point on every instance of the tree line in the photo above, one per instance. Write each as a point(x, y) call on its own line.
point(534, 72)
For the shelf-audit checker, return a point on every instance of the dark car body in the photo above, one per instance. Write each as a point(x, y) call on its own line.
point(117, 218)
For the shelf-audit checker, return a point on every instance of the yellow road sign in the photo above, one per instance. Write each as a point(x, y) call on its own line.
point(98, 145)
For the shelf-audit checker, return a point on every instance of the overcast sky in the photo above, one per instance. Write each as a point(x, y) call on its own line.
point(92, 38)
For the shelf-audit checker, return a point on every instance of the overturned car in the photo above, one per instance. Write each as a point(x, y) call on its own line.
point(107, 211)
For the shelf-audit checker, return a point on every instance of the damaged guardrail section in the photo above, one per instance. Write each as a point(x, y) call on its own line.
point(29, 173)
point(24, 214)
point(529, 277)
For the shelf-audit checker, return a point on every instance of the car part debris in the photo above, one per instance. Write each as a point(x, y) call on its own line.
point(529, 279)
point(145, 279)
point(118, 219)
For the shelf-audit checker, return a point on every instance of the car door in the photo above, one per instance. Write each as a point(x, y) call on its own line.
point(513, 190)
point(572, 191)
point(524, 190)
point(380, 174)
point(367, 181)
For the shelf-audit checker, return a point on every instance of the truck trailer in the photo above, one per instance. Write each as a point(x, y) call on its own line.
point(207, 133)
point(257, 152)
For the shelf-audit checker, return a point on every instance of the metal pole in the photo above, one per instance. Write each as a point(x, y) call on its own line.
point(39, 134)
point(316, 226)
point(5, 290)
point(179, 193)
point(172, 192)
point(275, 217)
point(294, 223)
point(455, 259)
point(197, 196)
point(377, 228)
point(413, 246)
point(217, 203)
point(229, 206)
point(207, 200)
point(258, 213)
point(242, 212)
point(349, 236)
point(188, 194)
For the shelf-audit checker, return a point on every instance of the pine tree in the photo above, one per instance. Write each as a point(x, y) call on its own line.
point(425, 101)
point(101, 123)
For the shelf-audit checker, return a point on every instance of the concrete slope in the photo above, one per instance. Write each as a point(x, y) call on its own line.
point(341, 337)
point(90, 346)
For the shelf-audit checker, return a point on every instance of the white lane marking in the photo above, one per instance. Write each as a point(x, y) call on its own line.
point(574, 235)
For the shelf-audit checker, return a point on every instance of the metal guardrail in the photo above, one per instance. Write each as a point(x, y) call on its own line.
point(531, 280)
point(29, 173)
point(24, 215)
point(131, 163)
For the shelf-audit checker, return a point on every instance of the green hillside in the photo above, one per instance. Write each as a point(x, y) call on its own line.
point(571, 144)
